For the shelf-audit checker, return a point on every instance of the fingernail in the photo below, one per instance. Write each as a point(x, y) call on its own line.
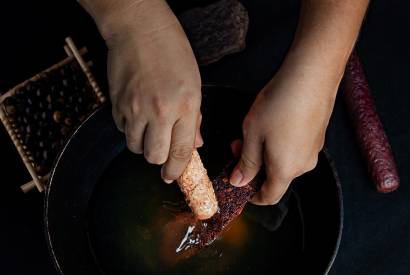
point(162, 175)
point(236, 177)
point(201, 140)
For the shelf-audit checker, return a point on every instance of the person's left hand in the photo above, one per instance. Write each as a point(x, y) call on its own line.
point(284, 131)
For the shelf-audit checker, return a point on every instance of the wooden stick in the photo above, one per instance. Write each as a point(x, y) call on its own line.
point(27, 187)
point(85, 69)
point(39, 75)
point(68, 51)
point(20, 150)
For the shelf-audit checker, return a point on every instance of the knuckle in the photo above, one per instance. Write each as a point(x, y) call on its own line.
point(116, 109)
point(156, 154)
point(302, 167)
point(189, 104)
point(116, 118)
point(321, 143)
point(247, 162)
point(271, 199)
point(134, 102)
point(311, 164)
point(190, 94)
point(274, 200)
point(171, 174)
point(154, 158)
point(306, 165)
point(290, 167)
point(134, 109)
point(161, 108)
point(133, 146)
point(286, 172)
point(181, 152)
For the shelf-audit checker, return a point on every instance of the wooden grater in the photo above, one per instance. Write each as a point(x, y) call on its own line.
point(59, 98)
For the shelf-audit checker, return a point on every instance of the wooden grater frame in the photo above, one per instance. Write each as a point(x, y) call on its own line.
point(73, 55)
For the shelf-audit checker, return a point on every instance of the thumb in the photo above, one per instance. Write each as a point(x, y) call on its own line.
point(249, 163)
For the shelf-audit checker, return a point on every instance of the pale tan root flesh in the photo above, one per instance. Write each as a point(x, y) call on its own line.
point(197, 188)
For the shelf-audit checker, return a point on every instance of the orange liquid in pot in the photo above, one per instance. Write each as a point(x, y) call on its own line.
point(130, 233)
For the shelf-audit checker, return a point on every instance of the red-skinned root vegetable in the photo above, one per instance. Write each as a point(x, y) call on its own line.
point(369, 130)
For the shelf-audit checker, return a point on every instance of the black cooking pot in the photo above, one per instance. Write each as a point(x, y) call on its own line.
point(78, 206)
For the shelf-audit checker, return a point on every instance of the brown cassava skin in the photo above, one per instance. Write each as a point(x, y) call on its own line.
point(231, 201)
point(369, 130)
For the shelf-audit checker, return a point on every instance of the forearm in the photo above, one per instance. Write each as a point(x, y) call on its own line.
point(324, 39)
point(285, 128)
point(142, 17)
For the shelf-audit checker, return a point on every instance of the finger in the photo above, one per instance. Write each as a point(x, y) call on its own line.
point(249, 163)
point(134, 133)
point(157, 141)
point(119, 120)
point(271, 192)
point(236, 147)
point(198, 137)
point(182, 145)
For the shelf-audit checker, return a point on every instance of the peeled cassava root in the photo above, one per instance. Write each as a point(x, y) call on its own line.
point(197, 188)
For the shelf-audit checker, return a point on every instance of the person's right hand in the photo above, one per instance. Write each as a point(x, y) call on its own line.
point(154, 81)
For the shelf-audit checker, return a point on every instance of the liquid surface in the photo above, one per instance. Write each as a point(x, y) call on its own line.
point(133, 229)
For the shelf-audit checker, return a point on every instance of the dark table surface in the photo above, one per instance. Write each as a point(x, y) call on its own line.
point(376, 237)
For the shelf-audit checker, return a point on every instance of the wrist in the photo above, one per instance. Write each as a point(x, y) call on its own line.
point(103, 10)
point(322, 64)
point(313, 72)
point(305, 83)
point(115, 18)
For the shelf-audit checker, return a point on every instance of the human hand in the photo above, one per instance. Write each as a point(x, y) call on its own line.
point(286, 125)
point(154, 81)
point(284, 131)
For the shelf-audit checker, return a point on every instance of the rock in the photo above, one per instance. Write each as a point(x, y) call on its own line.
point(216, 30)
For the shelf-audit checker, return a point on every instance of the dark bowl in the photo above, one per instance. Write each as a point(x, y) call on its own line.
point(96, 143)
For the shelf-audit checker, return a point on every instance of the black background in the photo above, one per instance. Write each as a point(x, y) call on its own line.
point(376, 237)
